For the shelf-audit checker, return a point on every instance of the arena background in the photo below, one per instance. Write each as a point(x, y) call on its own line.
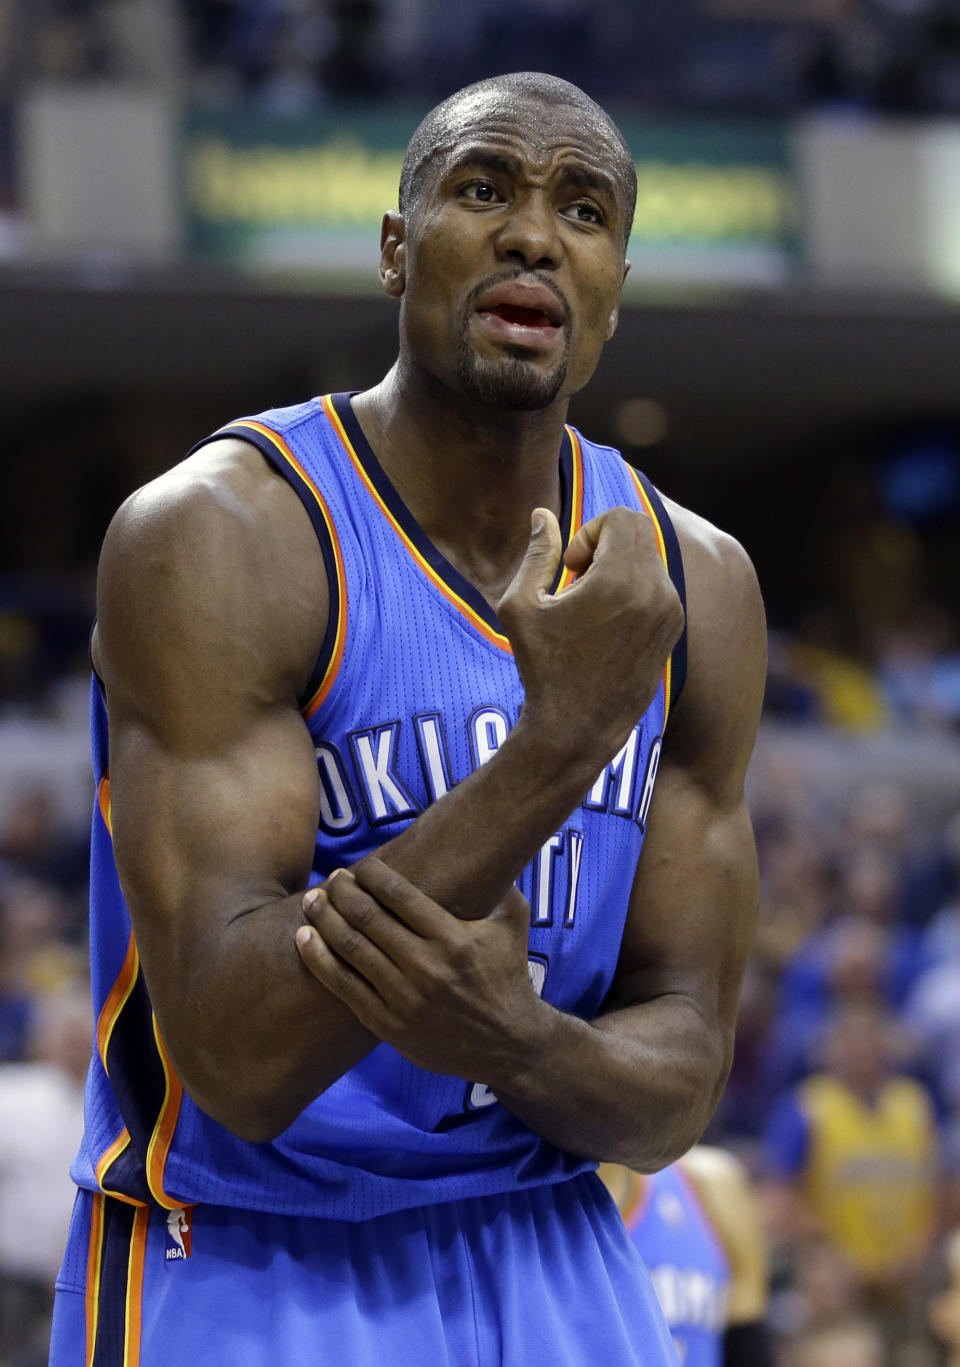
point(190, 197)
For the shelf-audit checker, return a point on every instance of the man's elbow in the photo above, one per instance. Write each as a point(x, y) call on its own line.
point(249, 1101)
point(697, 1085)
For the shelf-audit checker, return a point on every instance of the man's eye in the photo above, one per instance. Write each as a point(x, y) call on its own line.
point(481, 191)
point(585, 212)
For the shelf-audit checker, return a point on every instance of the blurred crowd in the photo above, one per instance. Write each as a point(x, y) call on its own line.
point(735, 55)
point(845, 1094)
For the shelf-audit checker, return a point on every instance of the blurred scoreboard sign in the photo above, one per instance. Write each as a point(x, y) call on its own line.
point(715, 201)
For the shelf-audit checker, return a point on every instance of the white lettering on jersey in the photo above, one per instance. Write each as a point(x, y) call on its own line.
point(433, 755)
point(487, 734)
point(689, 1297)
point(646, 797)
point(374, 752)
point(622, 767)
point(574, 857)
point(336, 809)
point(543, 881)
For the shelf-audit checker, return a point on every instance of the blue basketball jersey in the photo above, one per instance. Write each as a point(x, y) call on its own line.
point(687, 1264)
point(414, 688)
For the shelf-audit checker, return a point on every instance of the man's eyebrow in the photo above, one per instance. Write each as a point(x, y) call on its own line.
point(589, 178)
point(575, 173)
point(484, 159)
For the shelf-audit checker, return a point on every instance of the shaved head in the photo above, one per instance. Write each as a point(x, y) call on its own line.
point(438, 134)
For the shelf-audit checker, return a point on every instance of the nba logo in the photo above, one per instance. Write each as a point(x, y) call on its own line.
point(179, 1225)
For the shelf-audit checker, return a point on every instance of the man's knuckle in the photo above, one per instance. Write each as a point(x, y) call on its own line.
point(351, 942)
point(366, 914)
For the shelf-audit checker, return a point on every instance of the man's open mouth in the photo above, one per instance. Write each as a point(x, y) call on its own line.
point(523, 317)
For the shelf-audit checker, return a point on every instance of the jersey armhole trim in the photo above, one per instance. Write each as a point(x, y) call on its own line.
point(668, 544)
point(272, 446)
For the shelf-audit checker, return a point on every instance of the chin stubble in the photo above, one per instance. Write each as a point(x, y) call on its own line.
point(511, 383)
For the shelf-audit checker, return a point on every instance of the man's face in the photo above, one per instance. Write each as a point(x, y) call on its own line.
point(513, 260)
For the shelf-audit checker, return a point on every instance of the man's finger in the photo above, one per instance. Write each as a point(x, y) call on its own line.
point(338, 978)
point(360, 953)
point(414, 908)
point(589, 539)
point(538, 568)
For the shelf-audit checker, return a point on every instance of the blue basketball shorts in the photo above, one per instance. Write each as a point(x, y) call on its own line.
point(545, 1277)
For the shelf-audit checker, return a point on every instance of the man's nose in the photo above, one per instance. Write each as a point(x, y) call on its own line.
point(531, 233)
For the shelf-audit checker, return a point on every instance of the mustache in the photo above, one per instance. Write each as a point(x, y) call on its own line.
point(504, 276)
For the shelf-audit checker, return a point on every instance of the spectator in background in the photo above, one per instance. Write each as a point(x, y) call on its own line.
point(943, 1310)
point(41, 1121)
point(33, 958)
point(817, 1287)
point(854, 1151)
point(34, 845)
point(854, 1342)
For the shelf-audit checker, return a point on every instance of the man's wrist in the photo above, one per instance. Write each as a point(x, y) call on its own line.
point(524, 1067)
point(557, 753)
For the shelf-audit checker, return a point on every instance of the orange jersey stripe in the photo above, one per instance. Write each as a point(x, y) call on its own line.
point(121, 1142)
point(662, 551)
point(162, 1137)
point(103, 802)
point(116, 999)
point(110, 1155)
point(576, 504)
point(133, 1316)
point(94, 1261)
point(336, 656)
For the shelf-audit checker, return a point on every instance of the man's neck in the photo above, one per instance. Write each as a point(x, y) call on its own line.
point(469, 474)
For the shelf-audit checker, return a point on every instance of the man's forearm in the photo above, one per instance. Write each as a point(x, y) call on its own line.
point(466, 850)
point(636, 1087)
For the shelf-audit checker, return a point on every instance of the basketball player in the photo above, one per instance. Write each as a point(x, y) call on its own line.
point(697, 1229)
point(366, 663)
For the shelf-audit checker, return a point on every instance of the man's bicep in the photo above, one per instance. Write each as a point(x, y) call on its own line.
point(692, 910)
point(204, 837)
point(693, 904)
point(211, 607)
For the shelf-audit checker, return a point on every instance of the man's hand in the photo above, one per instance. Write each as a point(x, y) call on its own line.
point(596, 651)
point(451, 996)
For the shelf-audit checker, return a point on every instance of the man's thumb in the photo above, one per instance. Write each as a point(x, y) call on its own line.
point(538, 569)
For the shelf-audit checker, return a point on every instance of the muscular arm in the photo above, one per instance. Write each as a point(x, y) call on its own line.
point(638, 1085)
point(212, 605)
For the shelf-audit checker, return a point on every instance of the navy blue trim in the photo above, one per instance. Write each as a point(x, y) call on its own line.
point(438, 562)
point(139, 1083)
point(118, 1218)
point(307, 497)
point(675, 568)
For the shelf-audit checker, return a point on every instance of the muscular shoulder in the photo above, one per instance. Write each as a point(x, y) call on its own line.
point(210, 572)
point(717, 713)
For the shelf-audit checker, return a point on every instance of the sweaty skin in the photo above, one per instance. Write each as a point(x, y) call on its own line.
point(212, 607)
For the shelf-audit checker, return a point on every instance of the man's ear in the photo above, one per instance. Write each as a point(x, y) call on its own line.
point(393, 255)
point(614, 318)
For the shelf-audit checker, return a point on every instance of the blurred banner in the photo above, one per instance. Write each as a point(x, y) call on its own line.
point(716, 202)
